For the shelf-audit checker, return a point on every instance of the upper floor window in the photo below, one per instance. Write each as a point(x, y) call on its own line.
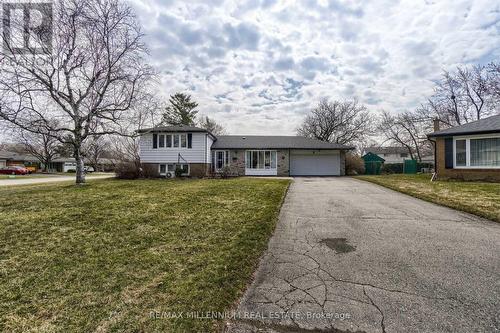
point(171, 140)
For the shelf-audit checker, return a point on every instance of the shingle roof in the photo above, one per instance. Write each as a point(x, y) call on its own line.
point(177, 128)
point(386, 150)
point(272, 142)
point(481, 126)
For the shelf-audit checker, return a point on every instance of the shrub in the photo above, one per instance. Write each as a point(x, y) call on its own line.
point(225, 172)
point(354, 164)
point(390, 168)
point(71, 171)
point(150, 171)
point(127, 170)
point(178, 172)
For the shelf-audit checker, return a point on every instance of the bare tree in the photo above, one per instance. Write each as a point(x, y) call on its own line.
point(407, 129)
point(462, 96)
point(343, 122)
point(211, 125)
point(146, 113)
point(42, 146)
point(494, 80)
point(94, 149)
point(87, 79)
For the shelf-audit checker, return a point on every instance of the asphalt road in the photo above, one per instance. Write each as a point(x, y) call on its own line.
point(351, 256)
point(49, 179)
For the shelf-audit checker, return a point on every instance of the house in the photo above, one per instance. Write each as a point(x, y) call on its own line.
point(389, 154)
point(198, 152)
point(470, 151)
point(3, 160)
point(58, 164)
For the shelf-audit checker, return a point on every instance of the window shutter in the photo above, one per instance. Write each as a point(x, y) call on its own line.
point(190, 140)
point(155, 141)
point(448, 153)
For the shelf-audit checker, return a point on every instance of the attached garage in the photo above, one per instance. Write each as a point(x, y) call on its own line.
point(315, 163)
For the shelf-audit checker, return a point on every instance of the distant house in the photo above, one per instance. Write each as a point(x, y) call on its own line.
point(470, 151)
point(59, 164)
point(3, 160)
point(389, 154)
point(197, 152)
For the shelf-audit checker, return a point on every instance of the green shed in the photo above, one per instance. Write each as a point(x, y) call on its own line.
point(373, 163)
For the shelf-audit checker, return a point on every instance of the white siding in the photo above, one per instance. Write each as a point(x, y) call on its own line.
point(210, 141)
point(196, 154)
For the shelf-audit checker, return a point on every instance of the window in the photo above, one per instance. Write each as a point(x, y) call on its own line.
point(460, 153)
point(171, 168)
point(484, 152)
point(176, 140)
point(404, 155)
point(221, 159)
point(163, 169)
point(169, 141)
point(183, 140)
point(161, 140)
point(477, 152)
point(260, 159)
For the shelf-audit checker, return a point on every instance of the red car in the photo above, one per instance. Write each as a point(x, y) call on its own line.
point(14, 170)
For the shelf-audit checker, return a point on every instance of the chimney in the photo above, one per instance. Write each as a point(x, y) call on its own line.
point(436, 124)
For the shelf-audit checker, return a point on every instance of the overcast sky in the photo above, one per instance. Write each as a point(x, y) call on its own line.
point(258, 66)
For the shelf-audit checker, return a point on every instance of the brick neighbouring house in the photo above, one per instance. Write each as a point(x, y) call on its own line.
point(470, 151)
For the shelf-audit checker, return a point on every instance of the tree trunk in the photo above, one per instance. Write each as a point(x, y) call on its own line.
point(80, 174)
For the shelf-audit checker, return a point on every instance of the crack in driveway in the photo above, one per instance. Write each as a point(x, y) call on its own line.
point(419, 262)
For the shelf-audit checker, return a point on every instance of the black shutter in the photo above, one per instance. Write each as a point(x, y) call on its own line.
point(448, 153)
point(190, 140)
point(155, 141)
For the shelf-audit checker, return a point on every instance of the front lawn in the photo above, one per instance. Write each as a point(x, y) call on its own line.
point(480, 198)
point(108, 255)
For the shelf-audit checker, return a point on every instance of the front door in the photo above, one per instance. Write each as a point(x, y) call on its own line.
point(220, 159)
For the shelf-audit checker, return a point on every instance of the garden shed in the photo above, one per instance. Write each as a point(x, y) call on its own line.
point(373, 163)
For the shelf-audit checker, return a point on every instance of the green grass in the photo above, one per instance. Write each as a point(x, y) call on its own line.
point(479, 198)
point(103, 256)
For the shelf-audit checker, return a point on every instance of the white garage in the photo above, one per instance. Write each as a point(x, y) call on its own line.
point(314, 163)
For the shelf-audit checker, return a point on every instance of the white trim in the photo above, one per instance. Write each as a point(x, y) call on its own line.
point(467, 139)
point(171, 134)
point(225, 159)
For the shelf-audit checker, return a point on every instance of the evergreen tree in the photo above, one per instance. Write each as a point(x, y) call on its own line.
point(181, 110)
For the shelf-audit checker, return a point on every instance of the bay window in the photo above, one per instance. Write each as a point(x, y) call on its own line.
point(260, 159)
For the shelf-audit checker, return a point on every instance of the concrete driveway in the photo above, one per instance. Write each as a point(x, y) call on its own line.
point(351, 256)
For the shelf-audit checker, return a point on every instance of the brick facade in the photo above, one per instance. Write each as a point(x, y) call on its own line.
point(195, 169)
point(465, 174)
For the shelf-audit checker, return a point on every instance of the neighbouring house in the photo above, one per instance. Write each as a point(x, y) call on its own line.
point(470, 151)
point(389, 154)
point(59, 164)
point(3, 160)
point(198, 152)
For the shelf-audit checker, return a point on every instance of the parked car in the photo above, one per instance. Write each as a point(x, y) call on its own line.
point(14, 170)
point(88, 169)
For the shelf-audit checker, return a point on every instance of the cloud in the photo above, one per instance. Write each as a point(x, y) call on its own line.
point(258, 66)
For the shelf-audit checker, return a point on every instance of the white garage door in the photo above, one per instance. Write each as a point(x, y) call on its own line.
point(317, 163)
